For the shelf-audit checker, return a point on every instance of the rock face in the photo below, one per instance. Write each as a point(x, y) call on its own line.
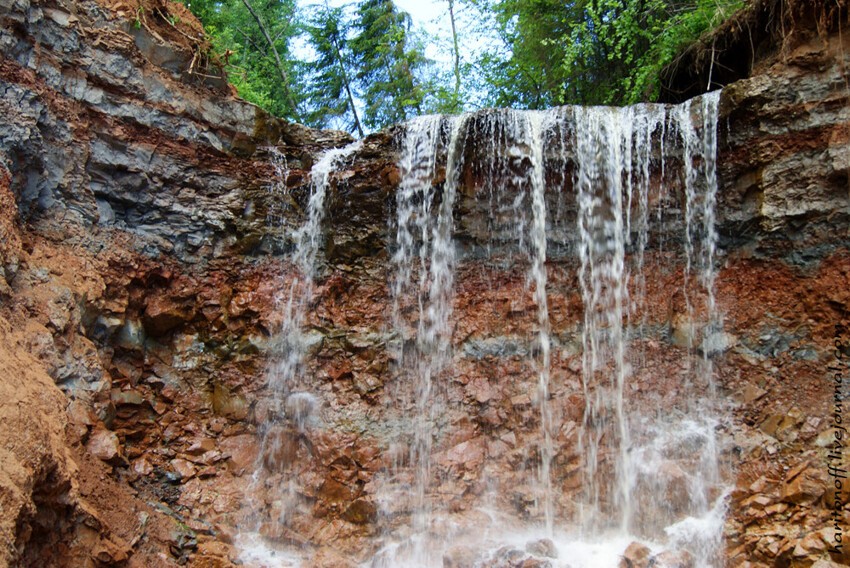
point(139, 306)
point(112, 125)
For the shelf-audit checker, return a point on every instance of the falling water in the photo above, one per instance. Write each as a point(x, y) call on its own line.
point(277, 188)
point(625, 163)
point(422, 284)
point(290, 411)
point(614, 149)
point(289, 354)
point(603, 157)
point(514, 182)
point(423, 266)
point(640, 178)
point(702, 528)
point(538, 276)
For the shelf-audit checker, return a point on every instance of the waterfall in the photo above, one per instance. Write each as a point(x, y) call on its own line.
point(535, 405)
point(422, 285)
point(288, 410)
point(421, 349)
point(613, 150)
point(603, 157)
point(628, 170)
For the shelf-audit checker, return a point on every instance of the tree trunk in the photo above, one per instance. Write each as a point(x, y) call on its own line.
point(347, 87)
point(457, 51)
point(283, 76)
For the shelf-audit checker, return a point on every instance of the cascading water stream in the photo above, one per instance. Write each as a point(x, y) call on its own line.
point(422, 284)
point(289, 409)
point(613, 153)
point(702, 529)
point(619, 155)
point(538, 276)
point(414, 202)
point(641, 179)
point(514, 183)
point(603, 158)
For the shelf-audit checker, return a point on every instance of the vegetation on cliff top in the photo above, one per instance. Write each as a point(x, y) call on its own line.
point(363, 65)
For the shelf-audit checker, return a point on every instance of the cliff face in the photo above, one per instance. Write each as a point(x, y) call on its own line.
point(128, 171)
point(139, 290)
point(112, 125)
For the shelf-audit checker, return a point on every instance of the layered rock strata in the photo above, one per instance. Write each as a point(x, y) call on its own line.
point(140, 275)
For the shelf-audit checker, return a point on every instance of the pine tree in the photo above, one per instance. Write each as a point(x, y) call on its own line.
point(388, 64)
point(331, 91)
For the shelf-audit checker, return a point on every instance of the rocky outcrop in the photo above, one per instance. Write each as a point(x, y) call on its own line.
point(139, 307)
point(785, 153)
point(123, 165)
point(110, 124)
point(58, 498)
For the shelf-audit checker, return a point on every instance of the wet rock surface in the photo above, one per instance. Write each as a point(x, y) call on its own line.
point(138, 310)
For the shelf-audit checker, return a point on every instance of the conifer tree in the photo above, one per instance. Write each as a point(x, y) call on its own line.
point(332, 92)
point(388, 63)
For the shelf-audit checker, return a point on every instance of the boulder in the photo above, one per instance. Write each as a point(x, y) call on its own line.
point(104, 445)
point(636, 555)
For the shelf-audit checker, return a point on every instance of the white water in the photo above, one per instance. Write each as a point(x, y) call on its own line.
point(290, 411)
point(648, 474)
point(613, 150)
point(278, 190)
point(422, 285)
point(603, 157)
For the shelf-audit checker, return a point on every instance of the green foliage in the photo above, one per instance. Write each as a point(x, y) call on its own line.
point(388, 64)
point(525, 70)
point(605, 45)
point(250, 60)
point(367, 68)
point(589, 51)
point(682, 29)
point(331, 91)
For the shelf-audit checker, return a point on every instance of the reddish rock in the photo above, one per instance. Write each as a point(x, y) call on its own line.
point(142, 466)
point(459, 556)
point(781, 197)
point(127, 398)
point(636, 555)
point(328, 558)
point(200, 446)
point(209, 471)
point(243, 451)
point(332, 491)
point(229, 404)
point(808, 486)
point(214, 554)
point(469, 455)
point(110, 552)
point(80, 414)
point(162, 314)
point(183, 468)
point(361, 512)
point(673, 559)
point(208, 458)
point(104, 445)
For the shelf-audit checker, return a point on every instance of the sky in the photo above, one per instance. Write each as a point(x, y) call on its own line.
point(430, 15)
point(427, 12)
point(433, 17)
